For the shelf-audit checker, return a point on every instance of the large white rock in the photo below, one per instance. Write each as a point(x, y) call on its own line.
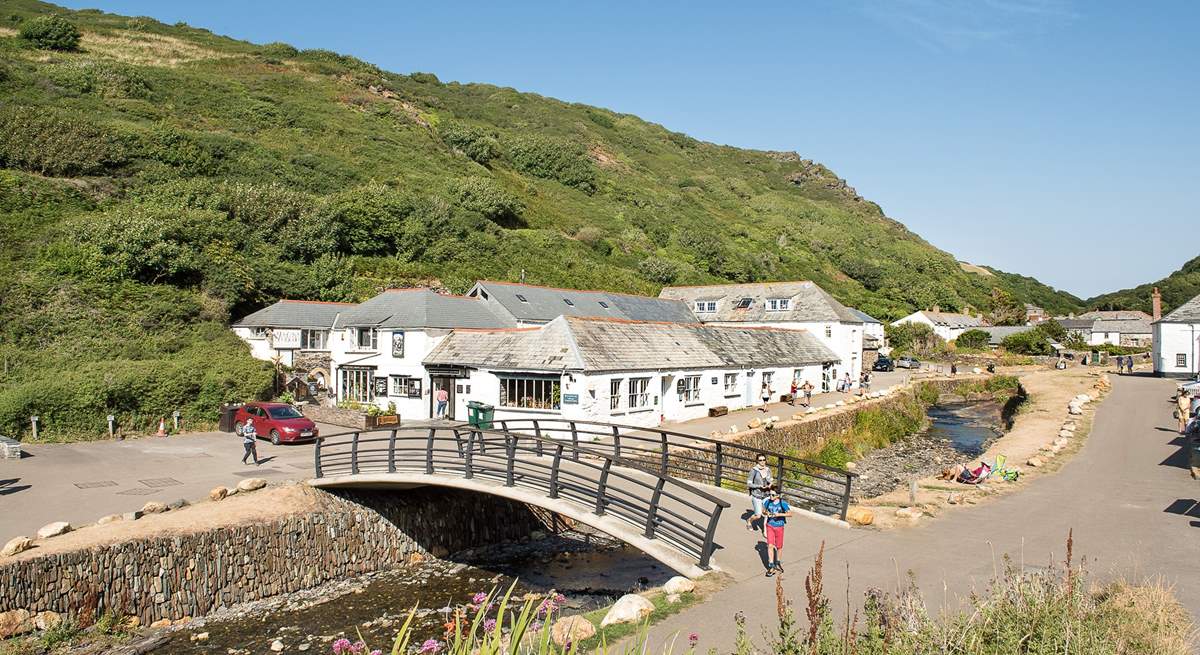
point(630, 608)
point(16, 545)
point(15, 622)
point(53, 529)
point(571, 629)
point(679, 585)
point(251, 484)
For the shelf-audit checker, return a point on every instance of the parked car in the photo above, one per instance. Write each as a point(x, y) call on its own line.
point(908, 362)
point(883, 364)
point(277, 421)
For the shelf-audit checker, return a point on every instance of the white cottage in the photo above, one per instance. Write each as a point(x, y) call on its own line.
point(294, 333)
point(1177, 340)
point(784, 305)
point(529, 304)
point(630, 372)
point(947, 325)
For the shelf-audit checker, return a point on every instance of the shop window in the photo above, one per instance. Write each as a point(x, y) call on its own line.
point(530, 392)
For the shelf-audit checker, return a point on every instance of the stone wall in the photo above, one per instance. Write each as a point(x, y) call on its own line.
point(350, 418)
point(190, 575)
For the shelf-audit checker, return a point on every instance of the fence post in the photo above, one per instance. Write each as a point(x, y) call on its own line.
point(652, 515)
point(616, 441)
point(709, 535)
point(317, 456)
point(779, 474)
point(664, 452)
point(392, 452)
point(602, 486)
point(510, 443)
point(558, 448)
point(429, 451)
point(846, 496)
point(720, 465)
point(468, 460)
point(574, 442)
point(354, 455)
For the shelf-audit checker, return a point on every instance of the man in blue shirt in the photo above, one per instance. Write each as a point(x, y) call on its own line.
point(777, 511)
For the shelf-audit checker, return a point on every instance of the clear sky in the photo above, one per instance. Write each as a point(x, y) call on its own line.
point(1053, 138)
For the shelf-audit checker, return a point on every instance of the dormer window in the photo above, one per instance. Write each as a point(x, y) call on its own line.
point(568, 301)
point(779, 304)
point(744, 303)
point(522, 298)
point(706, 306)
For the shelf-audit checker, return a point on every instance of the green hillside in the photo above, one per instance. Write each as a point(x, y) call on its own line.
point(1177, 288)
point(157, 180)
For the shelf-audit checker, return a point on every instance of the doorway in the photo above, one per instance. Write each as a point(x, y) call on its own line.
point(438, 383)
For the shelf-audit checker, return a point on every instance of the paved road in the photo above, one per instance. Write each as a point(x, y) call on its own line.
point(1128, 496)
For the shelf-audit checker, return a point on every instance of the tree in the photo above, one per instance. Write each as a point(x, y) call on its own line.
point(51, 33)
point(975, 339)
point(1029, 342)
point(1053, 330)
point(1006, 310)
point(913, 337)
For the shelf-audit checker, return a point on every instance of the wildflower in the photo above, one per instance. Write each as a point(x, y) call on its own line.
point(376, 652)
point(479, 598)
point(536, 626)
point(489, 626)
point(430, 646)
point(341, 646)
point(560, 599)
point(357, 647)
point(693, 639)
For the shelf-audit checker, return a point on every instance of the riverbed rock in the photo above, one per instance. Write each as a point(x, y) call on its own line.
point(798, 416)
point(573, 629)
point(53, 529)
point(909, 513)
point(1035, 462)
point(47, 620)
point(154, 507)
point(277, 645)
point(200, 636)
point(1074, 409)
point(218, 493)
point(860, 516)
point(754, 423)
point(161, 623)
point(679, 585)
point(16, 545)
point(132, 516)
point(15, 622)
point(630, 608)
point(954, 498)
point(110, 518)
point(251, 484)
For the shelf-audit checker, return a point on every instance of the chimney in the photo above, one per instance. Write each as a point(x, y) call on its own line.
point(1156, 302)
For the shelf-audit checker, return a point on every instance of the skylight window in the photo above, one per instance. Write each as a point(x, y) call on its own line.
point(521, 298)
point(568, 301)
point(744, 303)
point(604, 304)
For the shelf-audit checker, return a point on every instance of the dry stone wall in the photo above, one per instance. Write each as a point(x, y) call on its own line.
point(190, 575)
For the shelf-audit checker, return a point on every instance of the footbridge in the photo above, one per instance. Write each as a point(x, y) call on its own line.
point(667, 494)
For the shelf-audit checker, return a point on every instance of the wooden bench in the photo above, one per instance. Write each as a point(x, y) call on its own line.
point(720, 410)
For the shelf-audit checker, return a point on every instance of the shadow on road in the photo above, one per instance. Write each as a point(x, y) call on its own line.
point(10, 486)
point(1180, 458)
point(1185, 507)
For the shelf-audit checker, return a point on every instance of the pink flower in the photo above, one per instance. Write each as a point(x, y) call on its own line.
point(341, 646)
point(357, 647)
point(560, 599)
point(479, 598)
point(376, 652)
point(430, 646)
point(693, 638)
point(489, 626)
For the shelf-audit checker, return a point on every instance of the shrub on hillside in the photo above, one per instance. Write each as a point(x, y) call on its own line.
point(425, 78)
point(102, 78)
point(279, 50)
point(52, 143)
point(975, 339)
point(659, 269)
point(484, 195)
point(476, 143)
point(553, 159)
point(51, 33)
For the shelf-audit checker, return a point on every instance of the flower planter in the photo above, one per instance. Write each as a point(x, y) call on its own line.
point(381, 420)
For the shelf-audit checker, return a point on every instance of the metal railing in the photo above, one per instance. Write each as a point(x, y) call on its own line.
point(659, 506)
point(804, 483)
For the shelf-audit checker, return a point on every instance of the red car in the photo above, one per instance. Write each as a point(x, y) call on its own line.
point(279, 421)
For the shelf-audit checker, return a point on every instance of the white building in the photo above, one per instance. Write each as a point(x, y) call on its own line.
point(628, 372)
point(1121, 332)
point(947, 325)
point(1177, 341)
point(784, 305)
point(378, 348)
point(294, 333)
point(529, 304)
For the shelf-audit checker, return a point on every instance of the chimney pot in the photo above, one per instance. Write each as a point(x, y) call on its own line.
point(1156, 303)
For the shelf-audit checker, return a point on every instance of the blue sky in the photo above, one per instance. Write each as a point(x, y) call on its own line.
point(1052, 138)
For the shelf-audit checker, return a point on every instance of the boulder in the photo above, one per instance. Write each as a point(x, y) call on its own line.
point(15, 622)
point(218, 493)
point(276, 645)
point(954, 498)
point(154, 507)
point(850, 466)
point(798, 416)
point(179, 503)
point(630, 608)
point(47, 620)
point(200, 636)
point(811, 410)
point(754, 423)
point(1074, 409)
point(679, 585)
point(860, 516)
point(132, 516)
point(251, 484)
point(1061, 442)
point(910, 513)
point(571, 629)
point(16, 545)
point(105, 520)
point(840, 403)
point(1035, 462)
point(53, 529)
point(161, 623)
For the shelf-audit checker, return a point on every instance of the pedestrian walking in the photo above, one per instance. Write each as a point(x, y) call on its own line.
point(443, 399)
point(794, 393)
point(865, 384)
point(807, 388)
point(776, 510)
point(1183, 404)
point(846, 384)
point(250, 441)
point(766, 396)
point(758, 483)
point(953, 368)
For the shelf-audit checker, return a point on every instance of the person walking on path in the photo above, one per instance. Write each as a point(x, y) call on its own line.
point(864, 385)
point(1184, 403)
point(793, 394)
point(443, 399)
point(807, 388)
point(777, 511)
point(250, 441)
point(846, 385)
point(758, 483)
point(766, 396)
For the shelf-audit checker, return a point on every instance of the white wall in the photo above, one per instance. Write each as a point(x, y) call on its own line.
point(1098, 338)
point(845, 340)
point(262, 348)
point(417, 345)
point(1171, 340)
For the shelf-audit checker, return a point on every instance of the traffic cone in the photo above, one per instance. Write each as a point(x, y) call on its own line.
point(162, 427)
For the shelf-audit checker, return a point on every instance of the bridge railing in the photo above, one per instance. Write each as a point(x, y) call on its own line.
point(805, 483)
point(659, 506)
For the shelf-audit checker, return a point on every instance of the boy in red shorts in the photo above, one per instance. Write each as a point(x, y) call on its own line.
point(776, 510)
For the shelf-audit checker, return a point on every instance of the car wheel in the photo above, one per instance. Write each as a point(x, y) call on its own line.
point(275, 437)
point(237, 427)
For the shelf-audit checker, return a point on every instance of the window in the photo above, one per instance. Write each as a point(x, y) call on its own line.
point(797, 374)
point(604, 304)
point(367, 338)
point(568, 301)
point(779, 304)
point(706, 306)
point(522, 298)
point(529, 392)
point(404, 386)
point(614, 393)
point(313, 339)
point(357, 384)
point(731, 384)
point(638, 394)
point(258, 332)
point(284, 412)
point(689, 389)
point(744, 303)
point(1181, 360)
point(398, 344)
point(767, 376)
point(828, 331)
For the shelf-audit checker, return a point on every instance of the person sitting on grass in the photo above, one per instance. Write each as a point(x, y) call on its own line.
point(776, 510)
point(965, 475)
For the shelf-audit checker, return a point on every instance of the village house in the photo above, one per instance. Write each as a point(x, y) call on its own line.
point(1078, 327)
point(874, 339)
point(1035, 314)
point(786, 305)
point(1176, 343)
point(295, 334)
point(629, 372)
point(529, 304)
point(947, 325)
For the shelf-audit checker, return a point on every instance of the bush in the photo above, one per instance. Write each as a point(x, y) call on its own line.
point(478, 144)
point(486, 196)
point(52, 143)
point(553, 159)
point(51, 33)
point(659, 269)
point(976, 339)
point(102, 78)
point(425, 78)
point(279, 50)
point(917, 338)
point(1029, 342)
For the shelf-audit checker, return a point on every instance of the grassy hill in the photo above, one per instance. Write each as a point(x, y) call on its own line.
point(1177, 288)
point(158, 180)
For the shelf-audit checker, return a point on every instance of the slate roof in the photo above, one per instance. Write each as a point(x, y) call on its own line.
point(809, 302)
point(996, 335)
point(954, 320)
point(863, 316)
point(548, 303)
point(1135, 326)
point(311, 314)
point(422, 308)
point(1117, 315)
point(599, 345)
point(1188, 312)
point(1082, 324)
